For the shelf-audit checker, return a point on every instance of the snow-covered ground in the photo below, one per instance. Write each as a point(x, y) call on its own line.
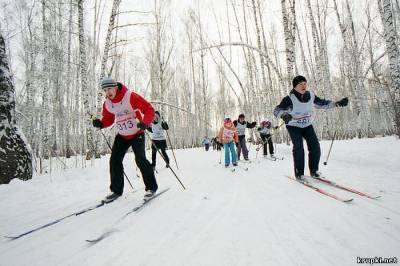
point(254, 217)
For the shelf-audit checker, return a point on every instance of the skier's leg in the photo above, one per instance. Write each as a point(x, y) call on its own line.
point(314, 149)
point(118, 151)
point(263, 139)
point(239, 148)
point(271, 145)
point(233, 152)
point(245, 151)
point(163, 147)
point(153, 155)
point(298, 150)
point(227, 154)
point(138, 146)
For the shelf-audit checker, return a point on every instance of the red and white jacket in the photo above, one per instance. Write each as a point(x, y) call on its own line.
point(126, 109)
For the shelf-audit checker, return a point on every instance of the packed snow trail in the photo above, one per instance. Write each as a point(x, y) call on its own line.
point(254, 217)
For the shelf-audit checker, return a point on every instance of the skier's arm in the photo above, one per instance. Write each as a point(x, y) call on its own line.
point(236, 137)
point(251, 125)
point(108, 118)
point(286, 105)
point(323, 104)
point(164, 125)
point(220, 134)
point(138, 102)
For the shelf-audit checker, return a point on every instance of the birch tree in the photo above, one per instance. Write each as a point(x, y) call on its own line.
point(84, 79)
point(393, 52)
point(289, 27)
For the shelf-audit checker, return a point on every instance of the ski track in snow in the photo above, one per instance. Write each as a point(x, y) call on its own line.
point(254, 217)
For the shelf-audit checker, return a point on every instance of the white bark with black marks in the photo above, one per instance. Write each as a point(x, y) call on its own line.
point(15, 154)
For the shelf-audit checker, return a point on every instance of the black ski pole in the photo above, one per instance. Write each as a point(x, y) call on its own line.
point(330, 148)
point(162, 156)
point(172, 149)
point(109, 146)
point(251, 138)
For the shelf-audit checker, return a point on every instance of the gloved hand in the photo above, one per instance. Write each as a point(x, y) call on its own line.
point(276, 127)
point(286, 117)
point(164, 125)
point(343, 102)
point(97, 123)
point(142, 125)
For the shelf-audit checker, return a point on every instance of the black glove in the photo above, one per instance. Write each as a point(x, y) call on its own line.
point(97, 123)
point(343, 102)
point(276, 127)
point(141, 125)
point(164, 125)
point(286, 117)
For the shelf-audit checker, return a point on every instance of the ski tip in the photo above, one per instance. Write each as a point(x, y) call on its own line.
point(104, 235)
point(375, 197)
point(92, 241)
point(11, 237)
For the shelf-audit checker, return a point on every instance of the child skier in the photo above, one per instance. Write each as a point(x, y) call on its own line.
point(206, 143)
point(157, 128)
point(218, 143)
point(132, 114)
point(241, 126)
point(265, 134)
point(296, 110)
point(228, 137)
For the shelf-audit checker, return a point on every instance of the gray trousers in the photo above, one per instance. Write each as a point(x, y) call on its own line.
point(241, 147)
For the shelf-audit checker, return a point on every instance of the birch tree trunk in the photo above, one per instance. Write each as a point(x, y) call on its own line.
point(290, 37)
point(68, 150)
point(393, 52)
point(259, 45)
point(15, 155)
point(108, 37)
point(84, 79)
point(45, 87)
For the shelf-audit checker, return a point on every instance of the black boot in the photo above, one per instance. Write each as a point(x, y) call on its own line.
point(111, 198)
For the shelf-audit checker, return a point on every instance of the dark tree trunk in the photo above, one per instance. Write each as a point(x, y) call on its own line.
point(15, 157)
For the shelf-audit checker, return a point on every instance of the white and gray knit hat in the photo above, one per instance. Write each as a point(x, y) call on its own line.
point(107, 83)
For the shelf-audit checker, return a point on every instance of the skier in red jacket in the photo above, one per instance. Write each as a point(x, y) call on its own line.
point(131, 114)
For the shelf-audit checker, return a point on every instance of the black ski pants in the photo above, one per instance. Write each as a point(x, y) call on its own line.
point(162, 146)
point(207, 146)
point(267, 140)
point(118, 152)
point(314, 151)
